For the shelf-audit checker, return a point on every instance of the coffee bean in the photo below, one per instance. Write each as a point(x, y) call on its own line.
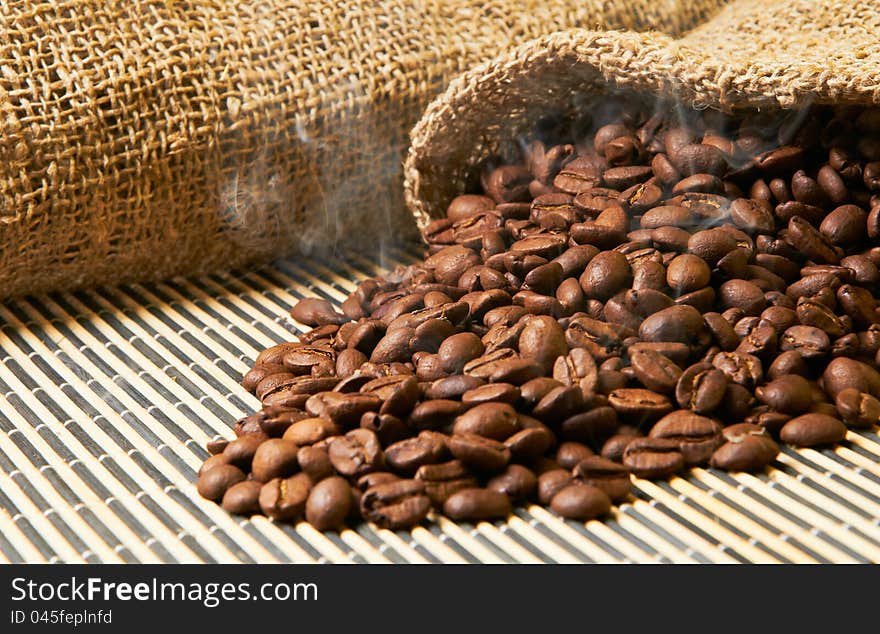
point(601, 340)
point(328, 503)
point(606, 475)
point(243, 498)
point(480, 453)
point(606, 274)
point(356, 453)
point(655, 371)
point(742, 368)
point(274, 458)
point(213, 483)
point(570, 453)
point(789, 393)
point(406, 456)
point(477, 504)
point(811, 430)
point(284, 499)
point(542, 341)
point(682, 324)
point(687, 273)
point(857, 409)
point(345, 410)
point(842, 373)
point(497, 421)
point(396, 505)
point(308, 431)
point(240, 452)
point(697, 436)
point(747, 448)
point(315, 462)
point(516, 482)
point(593, 426)
point(581, 502)
point(639, 404)
point(529, 444)
point(653, 457)
point(744, 295)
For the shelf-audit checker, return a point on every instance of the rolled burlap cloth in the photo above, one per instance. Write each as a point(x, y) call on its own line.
point(144, 139)
point(753, 53)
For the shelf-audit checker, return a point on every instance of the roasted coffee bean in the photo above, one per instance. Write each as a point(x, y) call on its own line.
point(601, 340)
point(213, 483)
point(542, 341)
point(534, 390)
point(374, 479)
point(744, 295)
point(477, 504)
point(857, 409)
point(809, 341)
point(216, 446)
point(284, 499)
point(491, 393)
point(356, 453)
point(653, 457)
point(592, 426)
point(551, 482)
point(580, 501)
point(723, 333)
point(452, 387)
point(682, 324)
point(345, 410)
point(845, 226)
point(315, 462)
point(742, 368)
point(577, 368)
point(811, 430)
point(606, 475)
point(655, 371)
point(789, 393)
point(396, 505)
point(388, 429)
point(308, 431)
point(638, 404)
point(559, 403)
point(479, 453)
point(516, 482)
point(747, 448)
point(842, 373)
point(329, 503)
point(687, 273)
point(243, 498)
point(497, 421)
point(697, 436)
point(406, 456)
point(606, 274)
point(570, 453)
point(274, 458)
point(240, 452)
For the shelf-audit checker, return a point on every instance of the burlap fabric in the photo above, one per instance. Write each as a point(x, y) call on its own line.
point(753, 53)
point(140, 140)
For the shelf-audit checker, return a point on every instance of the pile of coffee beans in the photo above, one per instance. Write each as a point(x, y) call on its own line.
point(635, 293)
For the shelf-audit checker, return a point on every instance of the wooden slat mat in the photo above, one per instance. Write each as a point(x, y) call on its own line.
point(109, 396)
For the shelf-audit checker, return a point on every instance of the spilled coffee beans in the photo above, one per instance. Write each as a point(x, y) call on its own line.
point(632, 294)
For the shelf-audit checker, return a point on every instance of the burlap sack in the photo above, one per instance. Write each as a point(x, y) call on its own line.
point(753, 53)
point(145, 139)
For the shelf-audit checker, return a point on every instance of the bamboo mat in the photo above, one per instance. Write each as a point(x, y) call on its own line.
point(109, 396)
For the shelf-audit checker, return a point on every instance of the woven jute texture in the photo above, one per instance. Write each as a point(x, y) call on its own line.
point(141, 140)
point(753, 53)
